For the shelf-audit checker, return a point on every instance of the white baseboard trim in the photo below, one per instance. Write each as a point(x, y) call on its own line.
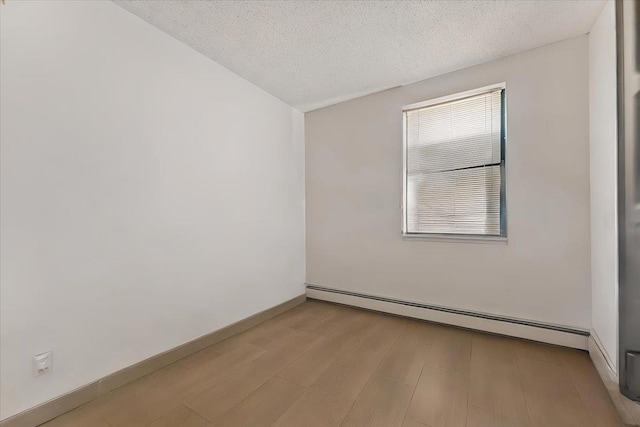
point(535, 331)
point(602, 360)
point(628, 409)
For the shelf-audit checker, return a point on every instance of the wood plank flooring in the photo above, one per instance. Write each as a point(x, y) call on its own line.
point(326, 365)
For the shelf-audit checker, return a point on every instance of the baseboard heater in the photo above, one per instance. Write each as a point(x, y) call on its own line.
point(520, 328)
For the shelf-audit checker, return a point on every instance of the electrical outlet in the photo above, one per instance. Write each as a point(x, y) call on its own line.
point(42, 364)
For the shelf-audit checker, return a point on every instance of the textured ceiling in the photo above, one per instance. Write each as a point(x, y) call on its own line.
point(315, 53)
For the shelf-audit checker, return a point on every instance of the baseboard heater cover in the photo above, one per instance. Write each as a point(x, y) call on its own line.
point(535, 331)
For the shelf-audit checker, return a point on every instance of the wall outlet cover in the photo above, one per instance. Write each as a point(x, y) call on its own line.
point(41, 364)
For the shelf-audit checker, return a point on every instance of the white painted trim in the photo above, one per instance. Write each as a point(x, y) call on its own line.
point(629, 410)
point(534, 333)
point(595, 343)
point(455, 97)
point(460, 238)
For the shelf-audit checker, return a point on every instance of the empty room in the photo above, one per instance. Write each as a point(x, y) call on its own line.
point(316, 213)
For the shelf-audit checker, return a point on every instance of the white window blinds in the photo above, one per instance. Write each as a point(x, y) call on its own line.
point(454, 166)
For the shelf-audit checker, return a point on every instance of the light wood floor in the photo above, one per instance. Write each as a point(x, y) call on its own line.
point(326, 365)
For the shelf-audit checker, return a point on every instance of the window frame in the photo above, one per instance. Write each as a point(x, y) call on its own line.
point(501, 238)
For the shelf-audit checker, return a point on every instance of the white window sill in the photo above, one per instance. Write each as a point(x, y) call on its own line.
point(456, 238)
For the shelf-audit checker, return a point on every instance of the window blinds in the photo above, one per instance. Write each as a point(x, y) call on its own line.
point(454, 164)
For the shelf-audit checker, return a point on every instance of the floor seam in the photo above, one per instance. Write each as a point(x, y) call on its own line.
point(575, 388)
point(369, 379)
point(406, 413)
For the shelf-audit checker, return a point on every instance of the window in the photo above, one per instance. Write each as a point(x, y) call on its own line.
point(454, 165)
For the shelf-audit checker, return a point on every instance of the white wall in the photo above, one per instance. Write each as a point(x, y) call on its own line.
point(149, 196)
point(354, 185)
point(604, 216)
